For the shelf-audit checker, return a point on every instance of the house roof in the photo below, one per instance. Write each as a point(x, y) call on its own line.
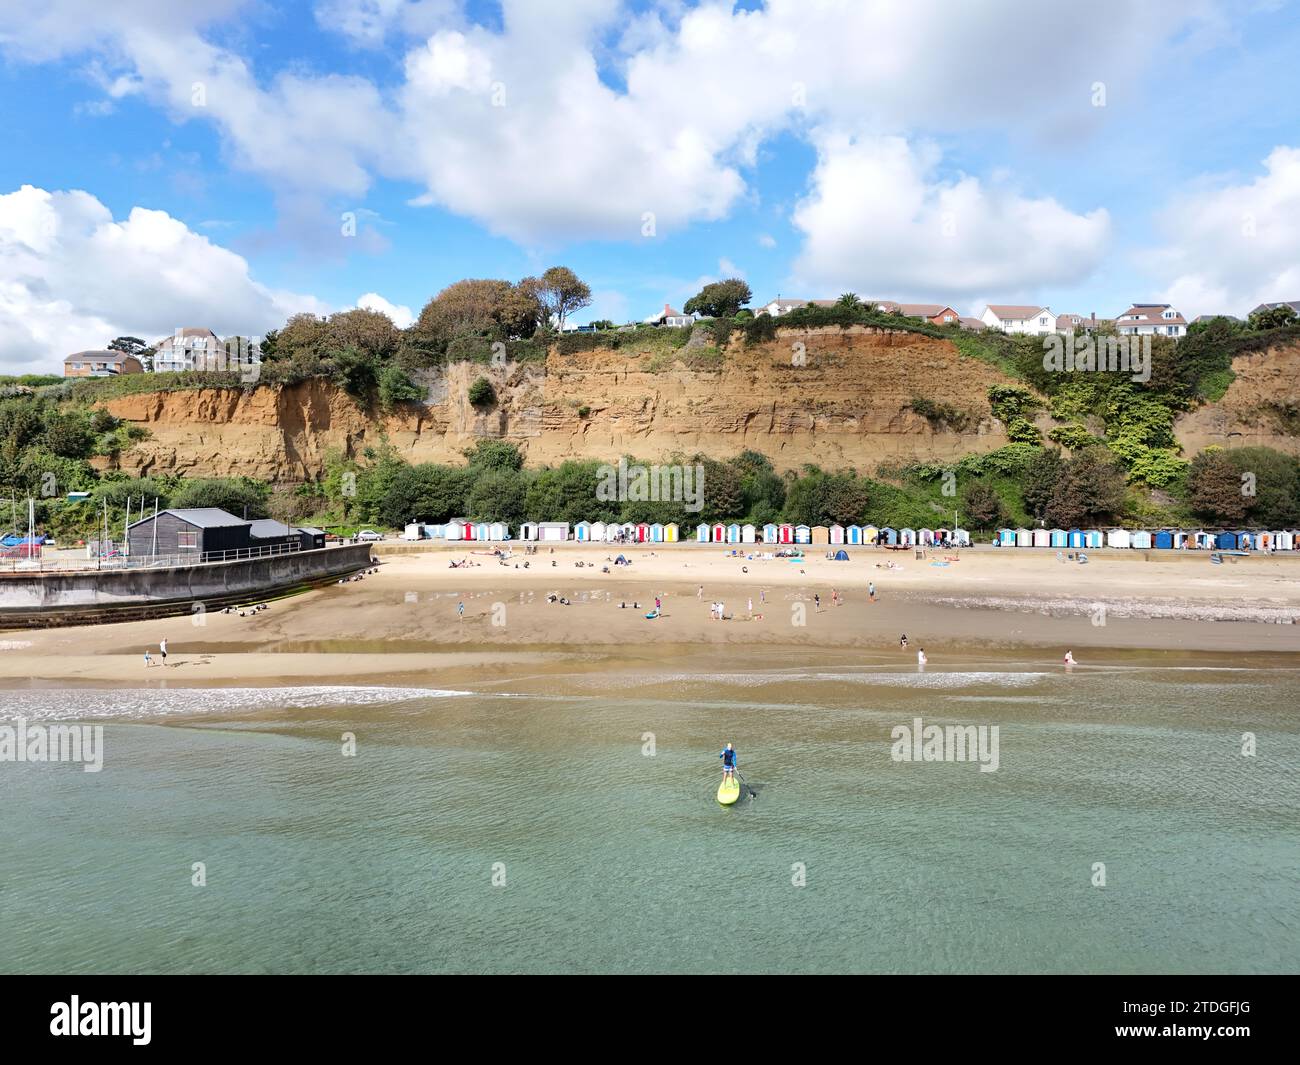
point(972, 323)
point(1016, 311)
point(1152, 314)
point(188, 331)
point(311, 530)
point(1293, 304)
point(1230, 317)
point(924, 310)
point(105, 355)
point(203, 517)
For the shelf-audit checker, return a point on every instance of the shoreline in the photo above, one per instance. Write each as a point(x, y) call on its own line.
point(403, 620)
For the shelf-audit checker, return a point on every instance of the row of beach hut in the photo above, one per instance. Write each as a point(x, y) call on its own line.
point(852, 535)
point(1161, 539)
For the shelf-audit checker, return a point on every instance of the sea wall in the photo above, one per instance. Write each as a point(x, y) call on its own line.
point(36, 600)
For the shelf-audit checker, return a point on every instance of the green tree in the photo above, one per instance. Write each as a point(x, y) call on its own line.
point(849, 300)
point(1039, 480)
point(561, 292)
point(981, 506)
point(1215, 488)
point(498, 495)
point(1272, 318)
point(1090, 490)
point(240, 496)
point(481, 393)
point(721, 299)
point(424, 493)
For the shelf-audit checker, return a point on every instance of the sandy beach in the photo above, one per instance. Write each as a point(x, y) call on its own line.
point(404, 620)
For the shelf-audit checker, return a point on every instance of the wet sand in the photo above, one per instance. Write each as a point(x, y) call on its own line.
point(403, 622)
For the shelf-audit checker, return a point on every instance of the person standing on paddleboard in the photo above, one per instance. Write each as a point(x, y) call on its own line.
point(729, 760)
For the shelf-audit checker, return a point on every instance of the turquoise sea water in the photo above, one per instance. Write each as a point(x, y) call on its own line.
point(618, 861)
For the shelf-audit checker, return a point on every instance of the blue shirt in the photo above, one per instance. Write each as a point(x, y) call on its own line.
point(728, 758)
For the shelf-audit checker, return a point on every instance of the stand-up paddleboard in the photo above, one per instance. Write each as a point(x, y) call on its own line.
point(729, 790)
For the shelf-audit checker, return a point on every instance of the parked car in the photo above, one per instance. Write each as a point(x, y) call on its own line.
point(367, 535)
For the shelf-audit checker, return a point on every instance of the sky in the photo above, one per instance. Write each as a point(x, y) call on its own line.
point(227, 163)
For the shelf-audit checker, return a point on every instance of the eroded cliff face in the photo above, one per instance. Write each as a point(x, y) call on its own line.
point(1260, 409)
point(846, 401)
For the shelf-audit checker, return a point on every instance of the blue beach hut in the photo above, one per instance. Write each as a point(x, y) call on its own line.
point(1076, 538)
point(1058, 538)
point(1226, 541)
point(1164, 540)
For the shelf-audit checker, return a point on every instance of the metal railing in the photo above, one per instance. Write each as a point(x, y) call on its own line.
point(41, 563)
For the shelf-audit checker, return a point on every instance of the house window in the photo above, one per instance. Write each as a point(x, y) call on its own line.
point(1042, 321)
point(187, 539)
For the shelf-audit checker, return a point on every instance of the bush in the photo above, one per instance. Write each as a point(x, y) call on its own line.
point(395, 387)
point(481, 393)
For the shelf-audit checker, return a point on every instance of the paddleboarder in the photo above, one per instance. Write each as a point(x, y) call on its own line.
point(729, 760)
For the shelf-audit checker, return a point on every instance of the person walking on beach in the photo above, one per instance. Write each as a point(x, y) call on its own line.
point(162, 649)
point(902, 641)
point(751, 606)
point(147, 660)
point(1069, 658)
point(920, 657)
point(700, 594)
point(871, 590)
point(460, 610)
point(659, 604)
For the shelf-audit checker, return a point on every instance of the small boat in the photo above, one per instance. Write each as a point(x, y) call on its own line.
point(729, 790)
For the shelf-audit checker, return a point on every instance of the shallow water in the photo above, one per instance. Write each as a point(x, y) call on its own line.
point(618, 860)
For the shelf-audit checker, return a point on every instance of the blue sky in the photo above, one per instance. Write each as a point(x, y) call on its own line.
point(1014, 152)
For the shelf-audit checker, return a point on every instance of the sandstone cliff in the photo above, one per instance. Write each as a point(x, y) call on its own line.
point(848, 404)
point(1260, 408)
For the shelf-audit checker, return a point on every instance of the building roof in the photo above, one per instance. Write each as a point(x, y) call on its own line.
point(972, 323)
point(1230, 317)
point(1016, 311)
point(924, 310)
point(1151, 314)
point(266, 528)
point(203, 517)
point(188, 331)
point(1293, 304)
point(311, 529)
point(106, 355)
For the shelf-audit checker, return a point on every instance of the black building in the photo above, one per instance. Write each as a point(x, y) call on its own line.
point(272, 534)
point(199, 531)
point(311, 538)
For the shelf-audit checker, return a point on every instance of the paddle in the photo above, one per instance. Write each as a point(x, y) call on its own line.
point(752, 793)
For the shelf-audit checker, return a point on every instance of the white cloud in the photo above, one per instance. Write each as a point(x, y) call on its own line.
point(401, 315)
point(766, 240)
point(880, 220)
point(369, 22)
point(1230, 247)
point(566, 156)
point(72, 278)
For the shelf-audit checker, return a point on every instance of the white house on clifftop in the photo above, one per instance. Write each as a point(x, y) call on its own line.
point(1019, 318)
point(1151, 319)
